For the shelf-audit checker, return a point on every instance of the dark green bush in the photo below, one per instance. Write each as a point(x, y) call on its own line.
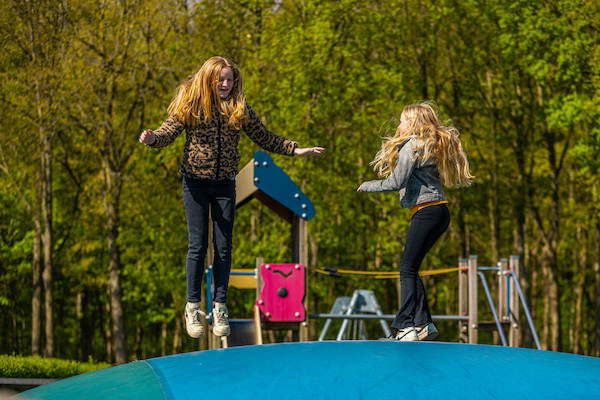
point(38, 367)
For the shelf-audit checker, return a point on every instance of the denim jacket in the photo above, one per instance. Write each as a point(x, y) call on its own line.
point(416, 183)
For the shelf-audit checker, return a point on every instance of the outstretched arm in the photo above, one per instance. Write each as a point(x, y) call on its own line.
point(309, 151)
point(266, 139)
point(163, 136)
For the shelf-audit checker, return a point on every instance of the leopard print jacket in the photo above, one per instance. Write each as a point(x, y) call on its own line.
point(211, 149)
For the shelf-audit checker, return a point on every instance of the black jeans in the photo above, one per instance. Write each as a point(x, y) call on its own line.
point(426, 227)
point(198, 194)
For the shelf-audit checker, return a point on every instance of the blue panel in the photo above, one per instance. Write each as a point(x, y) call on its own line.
point(273, 181)
point(378, 370)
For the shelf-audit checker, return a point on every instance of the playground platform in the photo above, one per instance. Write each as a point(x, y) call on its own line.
point(341, 370)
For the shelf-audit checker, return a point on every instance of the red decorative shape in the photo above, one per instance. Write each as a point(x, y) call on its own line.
point(282, 295)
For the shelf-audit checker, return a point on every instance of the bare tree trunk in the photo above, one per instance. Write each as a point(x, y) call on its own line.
point(555, 314)
point(463, 234)
point(580, 279)
point(546, 318)
point(138, 340)
point(108, 331)
point(493, 186)
point(80, 331)
point(111, 206)
point(163, 338)
point(36, 298)
point(46, 161)
point(177, 337)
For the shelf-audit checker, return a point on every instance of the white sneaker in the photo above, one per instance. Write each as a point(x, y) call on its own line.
point(220, 320)
point(194, 318)
point(427, 332)
point(408, 334)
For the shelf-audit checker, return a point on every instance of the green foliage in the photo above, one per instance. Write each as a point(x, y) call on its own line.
point(37, 367)
point(519, 79)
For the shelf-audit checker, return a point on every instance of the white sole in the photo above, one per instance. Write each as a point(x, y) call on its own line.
point(221, 331)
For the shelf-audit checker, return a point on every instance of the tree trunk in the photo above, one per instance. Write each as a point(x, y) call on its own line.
point(463, 240)
point(108, 337)
point(111, 207)
point(36, 298)
point(545, 321)
point(163, 338)
point(493, 186)
point(581, 262)
point(79, 326)
point(553, 298)
point(177, 336)
point(46, 161)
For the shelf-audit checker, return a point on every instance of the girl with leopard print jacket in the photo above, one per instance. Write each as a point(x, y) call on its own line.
point(211, 106)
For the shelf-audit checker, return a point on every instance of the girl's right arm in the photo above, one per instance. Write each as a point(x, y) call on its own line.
point(163, 136)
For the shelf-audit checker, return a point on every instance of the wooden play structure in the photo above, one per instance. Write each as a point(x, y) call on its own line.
point(285, 284)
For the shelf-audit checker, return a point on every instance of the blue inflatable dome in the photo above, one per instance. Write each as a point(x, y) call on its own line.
point(341, 370)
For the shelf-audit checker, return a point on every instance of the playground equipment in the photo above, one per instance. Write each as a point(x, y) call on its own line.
point(505, 315)
point(341, 370)
point(280, 294)
point(263, 180)
point(362, 301)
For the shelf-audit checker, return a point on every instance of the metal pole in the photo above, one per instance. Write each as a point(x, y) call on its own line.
point(382, 322)
point(526, 309)
point(325, 328)
point(349, 311)
point(489, 297)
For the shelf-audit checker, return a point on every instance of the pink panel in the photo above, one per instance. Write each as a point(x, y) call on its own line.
point(282, 295)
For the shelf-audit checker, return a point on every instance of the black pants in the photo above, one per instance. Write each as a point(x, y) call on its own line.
point(198, 194)
point(426, 227)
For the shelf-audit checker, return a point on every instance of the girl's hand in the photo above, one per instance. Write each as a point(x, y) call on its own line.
point(147, 137)
point(309, 151)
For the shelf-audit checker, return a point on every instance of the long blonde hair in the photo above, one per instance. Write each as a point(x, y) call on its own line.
point(197, 98)
point(438, 142)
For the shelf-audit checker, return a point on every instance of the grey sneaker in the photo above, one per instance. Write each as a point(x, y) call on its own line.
point(408, 334)
point(427, 332)
point(220, 320)
point(194, 318)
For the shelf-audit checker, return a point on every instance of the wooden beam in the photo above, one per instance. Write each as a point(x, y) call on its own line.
point(473, 318)
point(244, 184)
point(463, 300)
point(274, 205)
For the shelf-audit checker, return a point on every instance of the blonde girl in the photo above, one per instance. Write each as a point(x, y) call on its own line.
point(211, 106)
point(422, 154)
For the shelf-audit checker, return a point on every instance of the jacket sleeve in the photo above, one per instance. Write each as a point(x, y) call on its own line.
point(399, 177)
point(167, 132)
point(266, 139)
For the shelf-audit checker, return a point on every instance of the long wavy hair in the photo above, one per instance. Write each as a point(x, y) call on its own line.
point(197, 98)
point(438, 142)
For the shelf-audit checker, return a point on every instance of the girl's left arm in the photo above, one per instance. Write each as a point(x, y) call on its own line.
point(266, 139)
point(398, 178)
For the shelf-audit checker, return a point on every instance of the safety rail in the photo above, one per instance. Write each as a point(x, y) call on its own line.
point(493, 307)
point(510, 274)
